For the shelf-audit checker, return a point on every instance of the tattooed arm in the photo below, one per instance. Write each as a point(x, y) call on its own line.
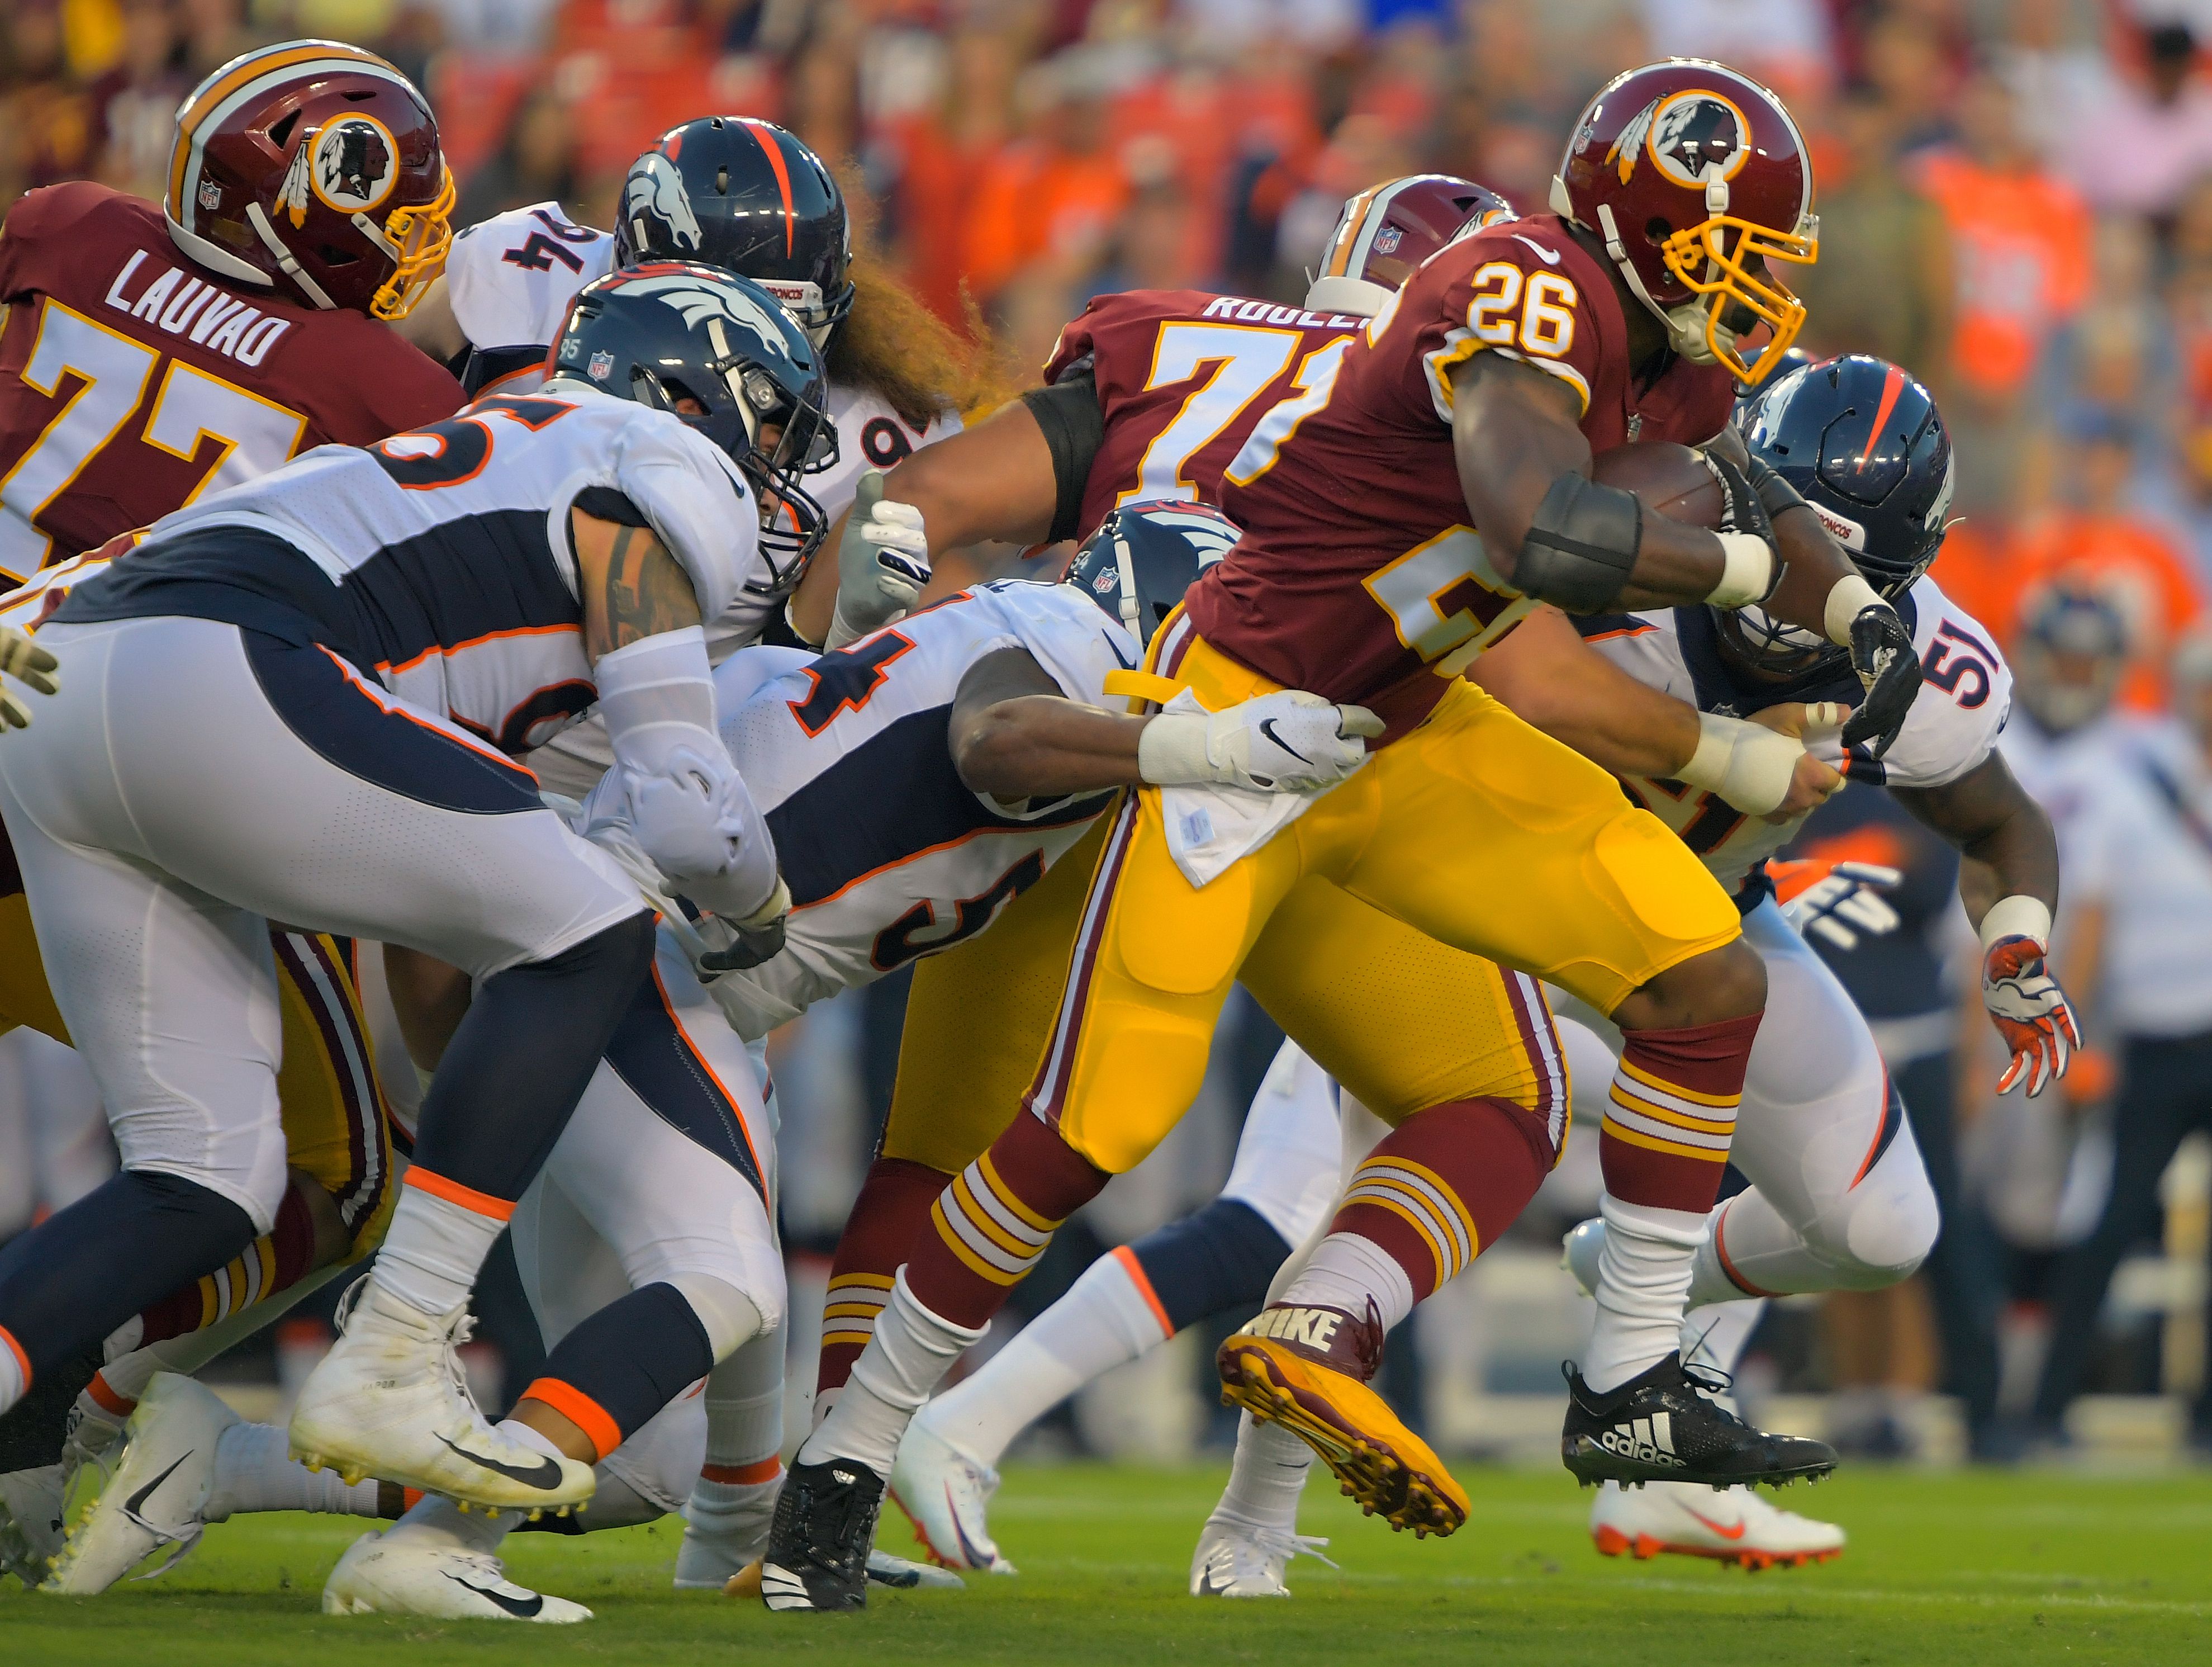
point(632, 588)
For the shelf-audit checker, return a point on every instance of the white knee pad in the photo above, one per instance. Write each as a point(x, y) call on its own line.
point(729, 1316)
point(1883, 1228)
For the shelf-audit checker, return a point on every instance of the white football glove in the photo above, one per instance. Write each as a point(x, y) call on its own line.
point(693, 821)
point(2024, 1001)
point(1837, 902)
point(1286, 742)
point(21, 658)
point(882, 563)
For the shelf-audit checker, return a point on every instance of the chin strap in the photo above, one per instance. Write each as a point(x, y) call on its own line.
point(286, 259)
point(1686, 324)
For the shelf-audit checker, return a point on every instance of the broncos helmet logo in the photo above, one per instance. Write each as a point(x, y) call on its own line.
point(699, 300)
point(654, 193)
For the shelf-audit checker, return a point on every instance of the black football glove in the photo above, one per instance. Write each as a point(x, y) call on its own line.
point(1881, 653)
point(1775, 493)
point(760, 935)
point(1742, 511)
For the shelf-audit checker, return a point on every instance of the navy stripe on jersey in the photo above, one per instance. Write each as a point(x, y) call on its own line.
point(488, 366)
point(337, 715)
point(651, 1053)
point(887, 801)
point(461, 581)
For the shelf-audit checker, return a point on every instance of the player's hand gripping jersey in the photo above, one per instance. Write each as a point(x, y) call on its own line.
point(889, 856)
point(1363, 607)
point(1194, 388)
point(438, 561)
point(1966, 695)
point(131, 381)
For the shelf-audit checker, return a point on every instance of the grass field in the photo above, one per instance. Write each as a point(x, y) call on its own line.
point(1949, 1569)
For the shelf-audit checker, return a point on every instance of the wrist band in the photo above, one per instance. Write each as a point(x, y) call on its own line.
point(2017, 916)
point(1750, 573)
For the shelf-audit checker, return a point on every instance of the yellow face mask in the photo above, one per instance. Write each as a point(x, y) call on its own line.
point(417, 239)
point(1713, 260)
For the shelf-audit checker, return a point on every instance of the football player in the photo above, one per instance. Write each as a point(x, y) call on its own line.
point(751, 198)
point(361, 703)
point(154, 355)
point(1481, 391)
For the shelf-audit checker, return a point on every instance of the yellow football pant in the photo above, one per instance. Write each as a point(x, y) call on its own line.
point(1475, 830)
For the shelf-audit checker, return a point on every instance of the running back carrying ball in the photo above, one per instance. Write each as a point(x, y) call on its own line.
point(1669, 480)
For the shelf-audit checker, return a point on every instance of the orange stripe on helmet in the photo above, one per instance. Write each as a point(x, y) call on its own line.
point(1892, 385)
point(761, 131)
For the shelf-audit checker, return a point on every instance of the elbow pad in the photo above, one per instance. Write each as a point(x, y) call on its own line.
point(1580, 546)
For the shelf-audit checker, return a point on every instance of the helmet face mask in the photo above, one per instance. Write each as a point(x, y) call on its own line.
point(667, 334)
point(314, 164)
point(1699, 184)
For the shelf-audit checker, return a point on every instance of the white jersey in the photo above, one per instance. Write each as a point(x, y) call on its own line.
point(510, 280)
point(440, 561)
point(1966, 695)
point(889, 855)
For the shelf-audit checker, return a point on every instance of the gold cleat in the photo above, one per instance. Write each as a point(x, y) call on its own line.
point(746, 1583)
point(1307, 1369)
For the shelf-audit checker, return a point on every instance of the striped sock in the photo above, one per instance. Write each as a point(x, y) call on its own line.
point(1439, 1187)
point(272, 1263)
point(890, 1213)
point(996, 1218)
point(1671, 1114)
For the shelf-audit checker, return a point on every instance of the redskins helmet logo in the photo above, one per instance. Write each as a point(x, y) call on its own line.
point(353, 165)
point(1696, 138)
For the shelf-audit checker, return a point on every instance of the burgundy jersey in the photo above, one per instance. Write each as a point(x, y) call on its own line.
point(1359, 573)
point(132, 383)
point(1185, 379)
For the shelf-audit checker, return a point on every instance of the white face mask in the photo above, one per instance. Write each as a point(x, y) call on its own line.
point(1762, 628)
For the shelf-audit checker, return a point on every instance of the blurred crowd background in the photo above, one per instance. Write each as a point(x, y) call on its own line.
point(2016, 204)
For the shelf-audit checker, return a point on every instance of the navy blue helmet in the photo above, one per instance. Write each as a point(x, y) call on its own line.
point(1145, 556)
point(1863, 442)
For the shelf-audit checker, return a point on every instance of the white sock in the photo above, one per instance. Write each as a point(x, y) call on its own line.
point(431, 1255)
point(438, 1522)
point(745, 1404)
point(254, 1472)
point(722, 1507)
point(1344, 1270)
point(1106, 1318)
point(1642, 1286)
point(911, 1350)
point(1715, 1335)
point(15, 1370)
point(1266, 1477)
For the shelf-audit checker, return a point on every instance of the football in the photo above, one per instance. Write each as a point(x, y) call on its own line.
point(1672, 480)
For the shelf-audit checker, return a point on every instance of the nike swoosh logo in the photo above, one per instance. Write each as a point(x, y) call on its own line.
point(1731, 1531)
point(1549, 257)
point(975, 1554)
point(546, 1474)
point(1267, 728)
point(130, 1505)
point(521, 1609)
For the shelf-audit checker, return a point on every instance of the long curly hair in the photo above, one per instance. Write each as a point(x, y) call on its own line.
point(896, 347)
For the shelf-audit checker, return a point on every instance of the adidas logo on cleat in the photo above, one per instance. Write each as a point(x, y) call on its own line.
point(1646, 1440)
point(1314, 1327)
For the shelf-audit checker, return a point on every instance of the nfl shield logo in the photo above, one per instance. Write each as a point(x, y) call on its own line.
point(602, 365)
point(210, 195)
point(1387, 240)
point(1105, 582)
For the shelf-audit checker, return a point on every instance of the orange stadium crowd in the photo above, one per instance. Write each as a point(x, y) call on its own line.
point(2015, 199)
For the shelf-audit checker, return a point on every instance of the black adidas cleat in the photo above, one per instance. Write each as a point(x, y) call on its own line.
point(817, 1544)
point(1664, 1425)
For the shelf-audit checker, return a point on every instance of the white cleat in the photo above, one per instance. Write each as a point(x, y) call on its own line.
point(31, 1521)
point(381, 1576)
point(155, 1493)
point(725, 1532)
point(1234, 1559)
point(1734, 1525)
point(391, 1401)
point(1580, 1249)
point(947, 1495)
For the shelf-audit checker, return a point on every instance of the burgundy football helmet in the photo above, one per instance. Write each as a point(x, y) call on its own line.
point(317, 163)
point(1387, 230)
point(1699, 181)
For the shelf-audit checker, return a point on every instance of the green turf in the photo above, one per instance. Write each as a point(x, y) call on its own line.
point(1949, 1569)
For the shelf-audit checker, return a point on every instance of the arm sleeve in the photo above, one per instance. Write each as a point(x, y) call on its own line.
point(1074, 427)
